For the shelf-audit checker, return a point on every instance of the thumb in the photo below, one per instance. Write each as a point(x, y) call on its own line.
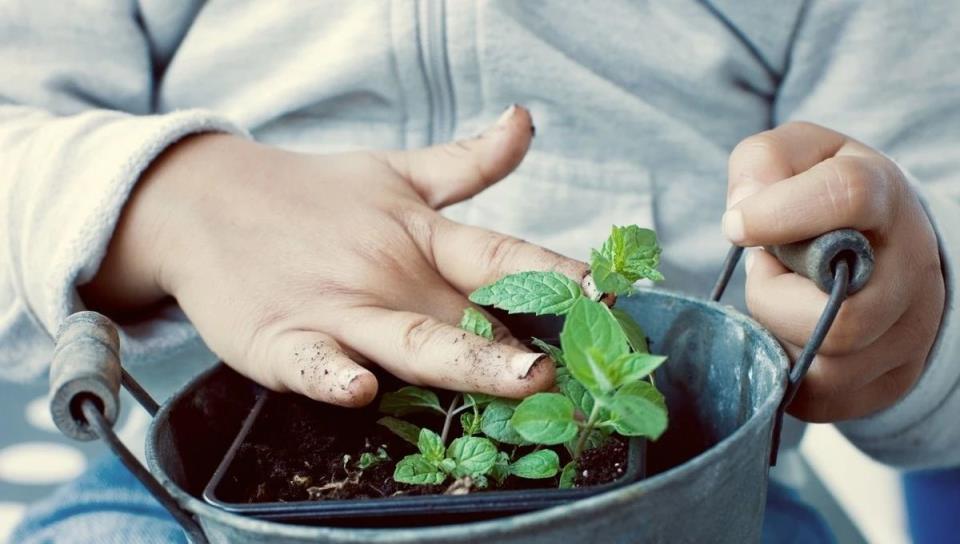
point(449, 173)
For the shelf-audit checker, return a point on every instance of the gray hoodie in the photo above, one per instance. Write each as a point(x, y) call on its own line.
point(637, 105)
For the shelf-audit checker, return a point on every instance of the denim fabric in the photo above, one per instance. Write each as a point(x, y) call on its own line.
point(933, 505)
point(108, 505)
point(789, 520)
point(105, 505)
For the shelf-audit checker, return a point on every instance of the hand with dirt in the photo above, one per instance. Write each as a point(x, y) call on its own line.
point(298, 269)
point(801, 180)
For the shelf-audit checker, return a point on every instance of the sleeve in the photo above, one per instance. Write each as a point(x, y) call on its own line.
point(76, 130)
point(884, 72)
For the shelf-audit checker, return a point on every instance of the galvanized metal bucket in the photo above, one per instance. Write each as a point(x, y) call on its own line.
point(726, 385)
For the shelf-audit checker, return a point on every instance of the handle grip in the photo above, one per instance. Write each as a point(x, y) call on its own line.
point(86, 365)
point(816, 258)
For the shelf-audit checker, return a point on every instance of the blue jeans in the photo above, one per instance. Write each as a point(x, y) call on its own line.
point(933, 505)
point(107, 504)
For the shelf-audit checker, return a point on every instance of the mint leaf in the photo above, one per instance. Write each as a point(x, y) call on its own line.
point(501, 469)
point(430, 446)
point(448, 465)
point(408, 400)
point(551, 350)
point(476, 323)
point(536, 465)
point(595, 439)
point(401, 428)
point(495, 423)
point(545, 418)
point(568, 475)
point(638, 409)
point(474, 456)
point(578, 395)
point(414, 469)
point(470, 423)
point(635, 335)
point(606, 278)
point(635, 366)
point(368, 459)
point(530, 292)
point(633, 252)
point(592, 339)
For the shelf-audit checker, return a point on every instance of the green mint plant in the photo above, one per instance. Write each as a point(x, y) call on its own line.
point(604, 378)
point(467, 458)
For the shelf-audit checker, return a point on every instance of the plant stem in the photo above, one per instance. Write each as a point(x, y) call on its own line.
point(586, 430)
point(449, 418)
point(462, 409)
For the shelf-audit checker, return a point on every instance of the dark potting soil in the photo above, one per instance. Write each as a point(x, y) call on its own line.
point(301, 450)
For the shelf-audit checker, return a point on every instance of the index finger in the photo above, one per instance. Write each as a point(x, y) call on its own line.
point(846, 191)
point(471, 257)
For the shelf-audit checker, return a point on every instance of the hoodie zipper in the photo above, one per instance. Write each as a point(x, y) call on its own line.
point(436, 69)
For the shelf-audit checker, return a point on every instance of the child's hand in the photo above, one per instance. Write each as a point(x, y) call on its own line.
point(801, 180)
point(298, 268)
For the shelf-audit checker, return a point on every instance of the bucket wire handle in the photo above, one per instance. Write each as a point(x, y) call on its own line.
point(839, 263)
point(85, 379)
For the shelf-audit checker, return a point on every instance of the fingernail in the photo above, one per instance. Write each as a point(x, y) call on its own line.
point(733, 226)
point(361, 389)
point(507, 115)
point(522, 365)
point(589, 287)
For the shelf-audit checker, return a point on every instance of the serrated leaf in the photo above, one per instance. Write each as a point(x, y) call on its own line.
point(414, 469)
point(475, 456)
point(545, 418)
point(448, 465)
point(633, 252)
point(568, 475)
point(410, 399)
point(431, 446)
point(578, 395)
point(638, 409)
point(635, 366)
point(405, 430)
point(536, 465)
point(591, 339)
point(470, 423)
point(476, 323)
point(551, 350)
point(495, 423)
point(606, 278)
point(501, 469)
point(562, 376)
point(634, 333)
point(530, 292)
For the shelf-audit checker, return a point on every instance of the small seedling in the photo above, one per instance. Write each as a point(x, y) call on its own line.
point(604, 379)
